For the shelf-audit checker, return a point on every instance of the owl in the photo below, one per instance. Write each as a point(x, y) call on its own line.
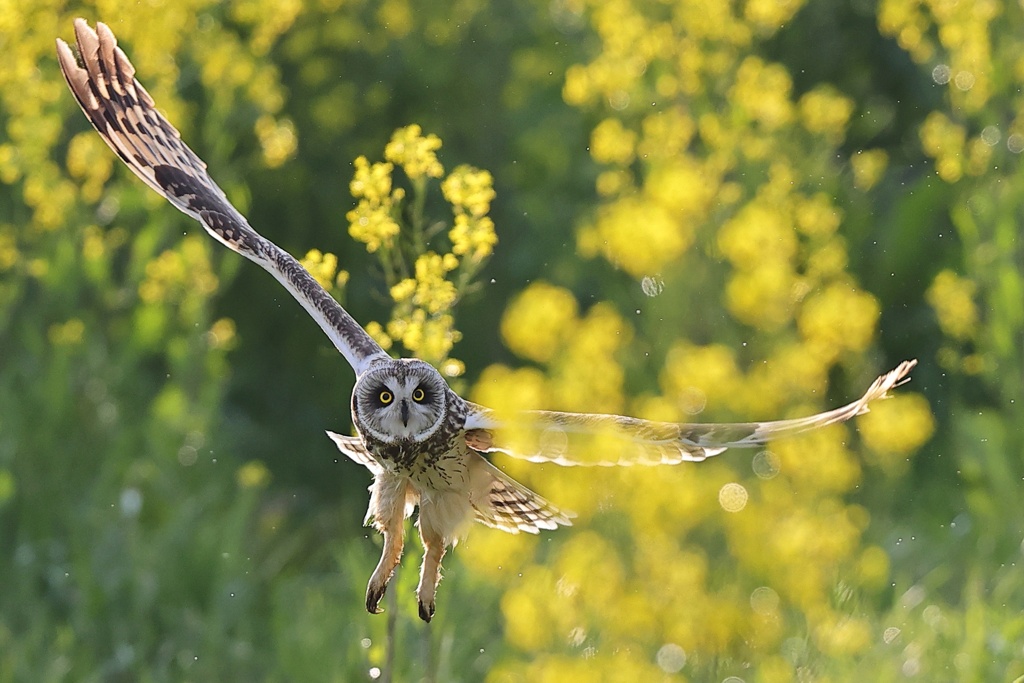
point(424, 444)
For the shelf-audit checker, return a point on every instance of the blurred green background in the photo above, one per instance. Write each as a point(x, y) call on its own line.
point(705, 210)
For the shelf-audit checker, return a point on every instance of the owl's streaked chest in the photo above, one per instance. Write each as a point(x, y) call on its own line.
point(440, 462)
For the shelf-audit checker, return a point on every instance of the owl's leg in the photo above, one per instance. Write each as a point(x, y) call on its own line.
point(391, 501)
point(430, 573)
point(440, 518)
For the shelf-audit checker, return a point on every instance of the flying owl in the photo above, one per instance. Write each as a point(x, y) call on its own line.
point(423, 442)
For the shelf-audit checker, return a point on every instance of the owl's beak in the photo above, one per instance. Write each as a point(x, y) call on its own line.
point(405, 413)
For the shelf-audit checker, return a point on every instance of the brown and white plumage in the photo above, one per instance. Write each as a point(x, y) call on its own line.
point(421, 441)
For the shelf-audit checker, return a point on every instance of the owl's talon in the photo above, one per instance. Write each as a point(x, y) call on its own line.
point(426, 612)
point(373, 598)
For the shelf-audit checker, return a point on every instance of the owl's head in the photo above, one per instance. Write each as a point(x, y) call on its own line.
point(400, 400)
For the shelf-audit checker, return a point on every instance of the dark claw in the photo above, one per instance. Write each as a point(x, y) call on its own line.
point(373, 598)
point(426, 612)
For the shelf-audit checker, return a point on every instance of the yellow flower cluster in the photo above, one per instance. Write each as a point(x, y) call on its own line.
point(69, 333)
point(422, 318)
point(372, 221)
point(179, 274)
point(470, 192)
point(963, 34)
point(838, 320)
point(425, 285)
point(277, 140)
point(952, 297)
point(825, 111)
point(868, 167)
point(253, 475)
point(895, 428)
point(762, 92)
point(324, 269)
point(538, 321)
point(415, 153)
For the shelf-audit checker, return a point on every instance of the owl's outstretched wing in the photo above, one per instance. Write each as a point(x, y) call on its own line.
point(606, 440)
point(125, 116)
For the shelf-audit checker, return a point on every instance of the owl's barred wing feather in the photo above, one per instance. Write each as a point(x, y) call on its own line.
point(125, 116)
point(353, 447)
point(606, 440)
point(508, 505)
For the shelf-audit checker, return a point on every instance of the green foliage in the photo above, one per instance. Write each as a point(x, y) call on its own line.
point(700, 209)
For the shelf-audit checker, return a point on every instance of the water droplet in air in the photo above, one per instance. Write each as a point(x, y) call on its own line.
point(652, 285)
point(671, 658)
point(765, 465)
point(733, 497)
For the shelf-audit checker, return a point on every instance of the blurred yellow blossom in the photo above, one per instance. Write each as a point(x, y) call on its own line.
point(869, 167)
point(253, 475)
point(538, 321)
point(415, 153)
point(897, 427)
point(944, 141)
point(278, 140)
point(321, 266)
point(817, 216)
point(611, 143)
point(9, 254)
point(952, 297)
point(710, 370)
point(639, 236)
point(825, 111)
point(838, 319)
point(762, 91)
point(68, 333)
point(769, 15)
point(763, 296)
point(222, 334)
point(759, 232)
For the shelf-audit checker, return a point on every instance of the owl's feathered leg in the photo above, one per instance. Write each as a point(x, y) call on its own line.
point(391, 501)
point(442, 516)
point(430, 573)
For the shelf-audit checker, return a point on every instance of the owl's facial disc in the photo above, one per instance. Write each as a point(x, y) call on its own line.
point(402, 402)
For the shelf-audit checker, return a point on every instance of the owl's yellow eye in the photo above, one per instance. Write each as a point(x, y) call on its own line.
point(386, 397)
point(418, 395)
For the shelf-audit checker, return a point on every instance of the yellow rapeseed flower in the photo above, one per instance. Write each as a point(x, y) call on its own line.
point(952, 297)
point(372, 224)
point(469, 190)
point(825, 111)
point(897, 427)
point(277, 138)
point(612, 143)
point(538, 321)
point(371, 181)
point(640, 236)
point(321, 266)
point(838, 319)
point(762, 91)
point(69, 333)
point(415, 153)
point(868, 167)
point(253, 475)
